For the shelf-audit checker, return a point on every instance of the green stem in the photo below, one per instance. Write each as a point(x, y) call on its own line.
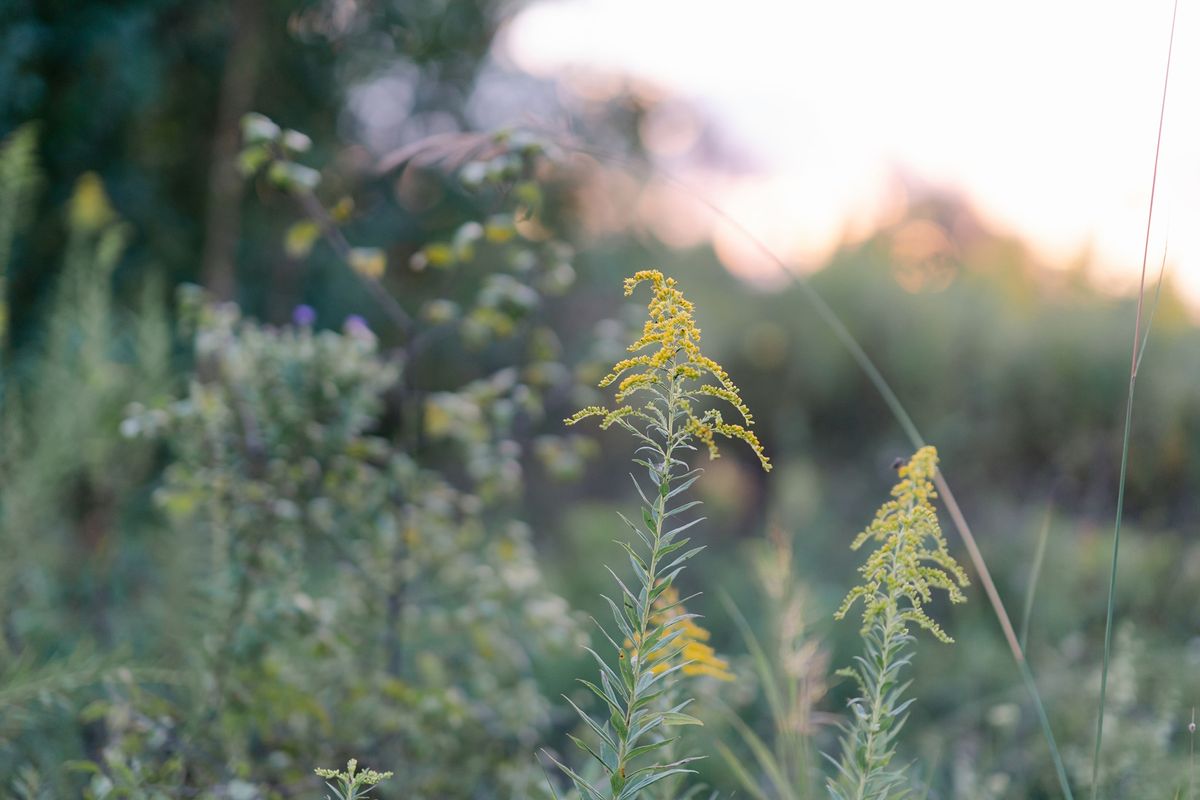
point(1035, 573)
point(1044, 721)
point(1138, 349)
point(1112, 587)
point(878, 684)
point(1192, 757)
point(638, 662)
point(876, 720)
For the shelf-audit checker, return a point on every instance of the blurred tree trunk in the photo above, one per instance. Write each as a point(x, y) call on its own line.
point(225, 185)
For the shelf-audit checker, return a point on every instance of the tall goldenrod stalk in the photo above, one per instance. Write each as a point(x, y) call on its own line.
point(898, 580)
point(659, 638)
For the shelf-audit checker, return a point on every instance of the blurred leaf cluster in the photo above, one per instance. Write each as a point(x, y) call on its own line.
point(340, 571)
point(347, 599)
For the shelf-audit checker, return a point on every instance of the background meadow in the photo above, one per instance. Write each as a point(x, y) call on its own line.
point(296, 298)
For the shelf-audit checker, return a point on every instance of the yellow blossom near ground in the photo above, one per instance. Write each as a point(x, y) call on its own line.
point(689, 648)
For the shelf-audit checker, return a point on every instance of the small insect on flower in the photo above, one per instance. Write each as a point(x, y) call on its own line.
point(912, 560)
point(674, 373)
point(898, 580)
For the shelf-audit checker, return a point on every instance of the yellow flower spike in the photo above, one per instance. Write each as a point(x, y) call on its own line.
point(912, 559)
point(675, 370)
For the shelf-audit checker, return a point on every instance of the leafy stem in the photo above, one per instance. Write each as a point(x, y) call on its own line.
point(639, 656)
point(899, 578)
point(656, 638)
point(352, 783)
point(869, 746)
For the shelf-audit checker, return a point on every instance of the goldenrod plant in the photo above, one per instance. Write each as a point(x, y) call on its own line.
point(668, 371)
point(352, 783)
point(899, 578)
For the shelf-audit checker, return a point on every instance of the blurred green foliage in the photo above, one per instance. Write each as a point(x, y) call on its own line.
point(343, 599)
point(149, 94)
point(340, 519)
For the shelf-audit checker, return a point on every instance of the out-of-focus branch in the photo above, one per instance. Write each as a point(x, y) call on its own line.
point(225, 184)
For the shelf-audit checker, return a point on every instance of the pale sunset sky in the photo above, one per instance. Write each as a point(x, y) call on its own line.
point(1042, 113)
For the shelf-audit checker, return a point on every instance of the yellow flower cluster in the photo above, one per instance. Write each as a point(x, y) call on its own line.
point(912, 560)
point(689, 648)
point(90, 208)
point(672, 329)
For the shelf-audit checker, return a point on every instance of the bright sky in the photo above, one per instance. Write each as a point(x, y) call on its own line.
point(1043, 112)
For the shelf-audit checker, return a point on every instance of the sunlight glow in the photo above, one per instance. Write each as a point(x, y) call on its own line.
point(1043, 114)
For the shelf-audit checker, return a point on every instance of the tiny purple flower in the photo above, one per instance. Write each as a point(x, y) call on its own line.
point(357, 327)
point(303, 316)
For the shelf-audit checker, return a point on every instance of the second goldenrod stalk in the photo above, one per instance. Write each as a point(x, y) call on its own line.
point(898, 581)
